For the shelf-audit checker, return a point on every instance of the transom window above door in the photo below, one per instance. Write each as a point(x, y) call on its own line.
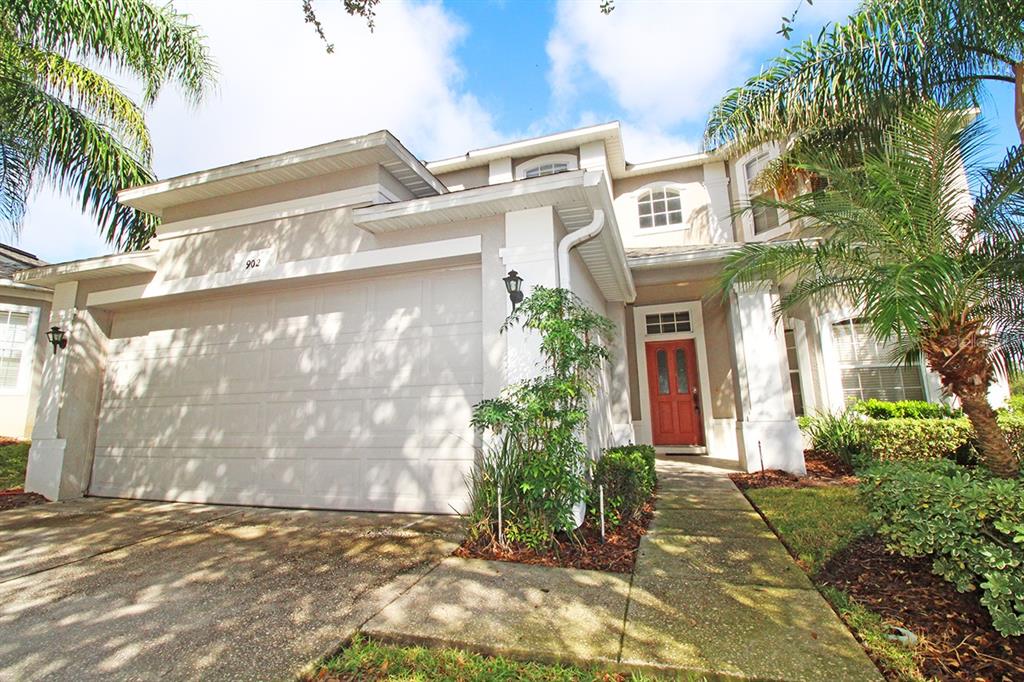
point(660, 208)
point(668, 323)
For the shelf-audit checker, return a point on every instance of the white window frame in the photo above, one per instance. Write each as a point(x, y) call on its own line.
point(28, 352)
point(747, 218)
point(570, 161)
point(803, 363)
point(654, 186)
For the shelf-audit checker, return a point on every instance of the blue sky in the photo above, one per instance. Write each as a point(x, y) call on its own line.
point(452, 76)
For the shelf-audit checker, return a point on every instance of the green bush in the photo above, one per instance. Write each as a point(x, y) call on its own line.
point(923, 439)
point(904, 409)
point(628, 476)
point(1016, 404)
point(970, 523)
point(839, 434)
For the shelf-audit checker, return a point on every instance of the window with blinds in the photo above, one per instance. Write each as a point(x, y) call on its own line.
point(14, 344)
point(794, 373)
point(866, 368)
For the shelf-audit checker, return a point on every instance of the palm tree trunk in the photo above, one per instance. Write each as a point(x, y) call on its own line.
point(995, 449)
point(1018, 98)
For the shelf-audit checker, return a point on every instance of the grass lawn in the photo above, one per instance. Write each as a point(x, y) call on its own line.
point(815, 522)
point(13, 460)
point(365, 659)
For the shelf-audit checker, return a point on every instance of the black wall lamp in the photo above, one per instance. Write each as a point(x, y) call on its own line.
point(58, 337)
point(514, 287)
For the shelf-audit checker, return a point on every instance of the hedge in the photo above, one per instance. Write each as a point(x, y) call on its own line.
point(628, 476)
point(904, 409)
point(925, 439)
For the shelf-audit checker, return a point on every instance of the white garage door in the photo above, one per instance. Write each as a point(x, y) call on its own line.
point(352, 395)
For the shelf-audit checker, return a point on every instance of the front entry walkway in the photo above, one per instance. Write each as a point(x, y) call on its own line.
point(714, 592)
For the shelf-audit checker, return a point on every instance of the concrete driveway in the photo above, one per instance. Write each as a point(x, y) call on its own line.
point(126, 590)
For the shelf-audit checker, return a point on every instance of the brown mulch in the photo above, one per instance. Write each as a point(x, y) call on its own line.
point(823, 468)
point(14, 498)
point(616, 555)
point(958, 641)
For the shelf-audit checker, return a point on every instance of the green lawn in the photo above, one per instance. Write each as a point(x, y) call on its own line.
point(365, 659)
point(13, 460)
point(815, 522)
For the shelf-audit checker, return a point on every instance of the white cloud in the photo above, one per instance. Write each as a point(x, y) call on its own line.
point(665, 64)
point(279, 90)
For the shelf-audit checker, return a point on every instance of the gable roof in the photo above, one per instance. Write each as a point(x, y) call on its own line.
point(13, 260)
point(380, 147)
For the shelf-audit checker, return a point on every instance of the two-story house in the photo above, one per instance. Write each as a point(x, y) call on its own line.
point(312, 329)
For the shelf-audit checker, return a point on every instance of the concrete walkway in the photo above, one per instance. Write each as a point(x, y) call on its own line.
point(714, 593)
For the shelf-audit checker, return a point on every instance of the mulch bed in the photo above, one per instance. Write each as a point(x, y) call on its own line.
point(16, 497)
point(958, 641)
point(822, 469)
point(616, 555)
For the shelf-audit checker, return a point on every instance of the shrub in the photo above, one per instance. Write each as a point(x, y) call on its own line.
point(923, 439)
point(839, 434)
point(1015, 404)
point(970, 523)
point(904, 409)
point(628, 476)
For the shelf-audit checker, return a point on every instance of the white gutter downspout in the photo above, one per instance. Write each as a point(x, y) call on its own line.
point(569, 241)
point(574, 239)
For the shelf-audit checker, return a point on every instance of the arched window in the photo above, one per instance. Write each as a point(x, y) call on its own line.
point(660, 207)
point(546, 165)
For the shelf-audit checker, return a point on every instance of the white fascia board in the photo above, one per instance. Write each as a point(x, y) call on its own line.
point(674, 163)
point(29, 291)
point(290, 271)
point(89, 268)
point(479, 157)
point(476, 202)
point(419, 167)
point(696, 256)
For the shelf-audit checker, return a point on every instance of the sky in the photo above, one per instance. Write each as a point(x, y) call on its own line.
point(447, 77)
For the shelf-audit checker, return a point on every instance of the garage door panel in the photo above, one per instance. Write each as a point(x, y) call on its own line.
point(352, 396)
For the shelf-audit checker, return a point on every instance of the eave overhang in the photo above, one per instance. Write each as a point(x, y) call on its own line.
point(133, 263)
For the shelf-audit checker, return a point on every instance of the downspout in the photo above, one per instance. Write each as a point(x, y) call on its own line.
point(569, 241)
point(574, 239)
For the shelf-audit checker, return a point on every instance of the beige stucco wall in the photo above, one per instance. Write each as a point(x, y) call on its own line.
point(716, 338)
point(696, 206)
point(467, 178)
point(17, 410)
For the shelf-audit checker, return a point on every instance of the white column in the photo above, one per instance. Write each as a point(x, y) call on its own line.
point(531, 243)
point(64, 436)
point(500, 171)
point(717, 183)
point(622, 419)
point(767, 431)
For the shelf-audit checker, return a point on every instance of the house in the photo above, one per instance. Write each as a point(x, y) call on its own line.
point(312, 329)
point(23, 310)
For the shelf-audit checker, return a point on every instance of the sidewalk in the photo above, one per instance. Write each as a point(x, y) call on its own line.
point(714, 593)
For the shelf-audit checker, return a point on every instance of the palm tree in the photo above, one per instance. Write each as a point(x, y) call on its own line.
point(934, 269)
point(65, 123)
point(889, 56)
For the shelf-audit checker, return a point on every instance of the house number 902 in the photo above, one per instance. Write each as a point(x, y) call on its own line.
point(252, 263)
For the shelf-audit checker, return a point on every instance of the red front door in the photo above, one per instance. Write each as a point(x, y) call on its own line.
point(672, 382)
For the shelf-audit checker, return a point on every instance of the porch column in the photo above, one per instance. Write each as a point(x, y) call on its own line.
point(531, 244)
point(767, 432)
point(622, 419)
point(64, 436)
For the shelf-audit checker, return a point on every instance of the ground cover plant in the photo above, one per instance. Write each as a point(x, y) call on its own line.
point(365, 659)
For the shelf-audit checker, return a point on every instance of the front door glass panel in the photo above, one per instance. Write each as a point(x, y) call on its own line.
point(682, 377)
point(663, 388)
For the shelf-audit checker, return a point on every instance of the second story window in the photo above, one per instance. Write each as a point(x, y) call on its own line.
point(545, 169)
point(660, 208)
point(766, 218)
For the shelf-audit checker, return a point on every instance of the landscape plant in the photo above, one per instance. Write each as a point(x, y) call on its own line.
point(903, 409)
point(934, 269)
point(627, 476)
point(535, 428)
point(64, 122)
point(968, 522)
point(839, 434)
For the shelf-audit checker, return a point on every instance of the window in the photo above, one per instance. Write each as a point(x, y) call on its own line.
point(667, 323)
point(545, 169)
point(15, 346)
point(546, 165)
point(765, 218)
point(866, 367)
point(660, 208)
point(794, 373)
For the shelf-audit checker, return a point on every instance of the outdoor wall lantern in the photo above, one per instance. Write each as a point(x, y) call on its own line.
point(58, 337)
point(514, 287)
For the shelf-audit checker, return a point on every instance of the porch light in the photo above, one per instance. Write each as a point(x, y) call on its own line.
point(514, 287)
point(58, 337)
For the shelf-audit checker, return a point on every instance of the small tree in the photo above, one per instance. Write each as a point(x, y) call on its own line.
point(898, 232)
point(541, 460)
